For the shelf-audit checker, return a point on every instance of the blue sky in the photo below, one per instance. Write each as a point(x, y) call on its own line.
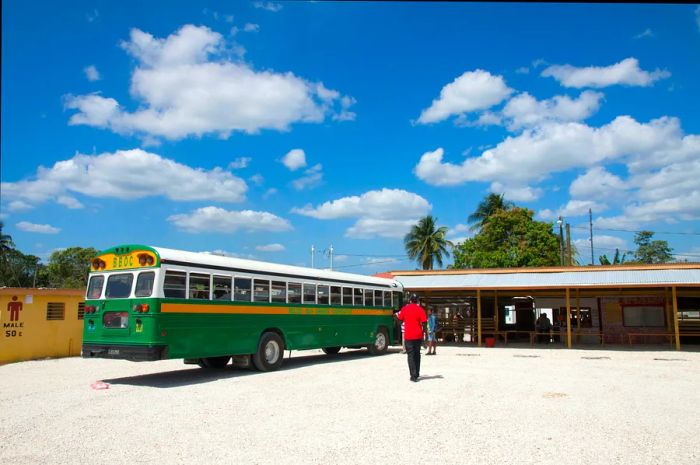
point(257, 129)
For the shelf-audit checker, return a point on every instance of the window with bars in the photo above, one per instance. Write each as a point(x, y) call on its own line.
point(81, 310)
point(56, 311)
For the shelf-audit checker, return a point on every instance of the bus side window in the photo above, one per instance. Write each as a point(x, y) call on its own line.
point(261, 290)
point(144, 284)
point(323, 294)
point(358, 297)
point(199, 286)
point(279, 291)
point(294, 293)
point(396, 301)
point(378, 299)
point(174, 284)
point(335, 295)
point(222, 287)
point(369, 298)
point(242, 290)
point(387, 298)
point(309, 293)
point(347, 296)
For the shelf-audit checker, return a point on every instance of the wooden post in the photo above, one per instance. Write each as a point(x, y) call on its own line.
point(675, 317)
point(578, 315)
point(478, 316)
point(669, 318)
point(568, 318)
point(495, 308)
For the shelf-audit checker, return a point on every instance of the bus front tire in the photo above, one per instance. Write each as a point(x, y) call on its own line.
point(214, 362)
point(331, 350)
point(270, 352)
point(381, 343)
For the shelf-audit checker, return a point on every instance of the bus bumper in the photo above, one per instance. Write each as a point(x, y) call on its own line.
point(132, 353)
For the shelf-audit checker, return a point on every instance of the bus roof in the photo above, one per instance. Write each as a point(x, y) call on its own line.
point(172, 256)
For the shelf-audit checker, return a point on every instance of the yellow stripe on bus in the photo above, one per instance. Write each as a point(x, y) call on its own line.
point(255, 310)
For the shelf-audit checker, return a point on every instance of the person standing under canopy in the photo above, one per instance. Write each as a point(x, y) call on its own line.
point(413, 317)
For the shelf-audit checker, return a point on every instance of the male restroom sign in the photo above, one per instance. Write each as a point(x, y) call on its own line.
point(13, 328)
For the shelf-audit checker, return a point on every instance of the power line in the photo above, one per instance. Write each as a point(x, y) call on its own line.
point(635, 231)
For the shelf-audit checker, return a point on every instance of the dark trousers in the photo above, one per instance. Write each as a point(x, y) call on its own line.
point(413, 350)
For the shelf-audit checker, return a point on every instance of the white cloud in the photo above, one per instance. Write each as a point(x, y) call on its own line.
point(294, 159)
point(269, 6)
point(270, 248)
point(524, 110)
point(558, 147)
point(697, 17)
point(92, 16)
point(473, 90)
point(572, 209)
point(91, 73)
point(517, 192)
point(257, 179)
point(215, 219)
point(185, 86)
point(625, 72)
point(17, 205)
point(124, 174)
point(239, 163)
point(37, 228)
point(523, 70)
point(250, 27)
point(647, 33)
point(457, 235)
point(312, 178)
point(269, 193)
point(384, 213)
point(597, 183)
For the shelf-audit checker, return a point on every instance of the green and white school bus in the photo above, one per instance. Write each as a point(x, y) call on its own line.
point(150, 303)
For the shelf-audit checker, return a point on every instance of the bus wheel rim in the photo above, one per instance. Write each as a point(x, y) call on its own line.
point(380, 342)
point(272, 352)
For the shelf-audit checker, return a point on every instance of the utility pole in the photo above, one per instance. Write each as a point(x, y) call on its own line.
point(568, 246)
point(331, 256)
point(590, 224)
point(560, 222)
point(313, 251)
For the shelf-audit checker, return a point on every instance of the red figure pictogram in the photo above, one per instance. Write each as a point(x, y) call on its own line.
point(14, 308)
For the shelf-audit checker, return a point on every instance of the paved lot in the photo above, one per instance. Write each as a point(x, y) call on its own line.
point(502, 405)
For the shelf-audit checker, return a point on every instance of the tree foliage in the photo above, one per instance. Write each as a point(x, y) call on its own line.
point(491, 204)
point(649, 251)
point(69, 268)
point(426, 243)
point(617, 259)
point(509, 238)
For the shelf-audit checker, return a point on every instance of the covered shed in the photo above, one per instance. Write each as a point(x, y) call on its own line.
point(624, 304)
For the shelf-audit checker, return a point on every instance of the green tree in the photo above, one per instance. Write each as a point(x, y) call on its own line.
point(510, 238)
point(649, 251)
point(69, 268)
point(426, 243)
point(617, 260)
point(20, 270)
point(491, 204)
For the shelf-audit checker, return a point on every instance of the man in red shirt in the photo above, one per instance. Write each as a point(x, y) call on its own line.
point(413, 317)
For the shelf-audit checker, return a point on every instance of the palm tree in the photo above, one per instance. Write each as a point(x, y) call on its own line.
point(426, 243)
point(5, 240)
point(487, 207)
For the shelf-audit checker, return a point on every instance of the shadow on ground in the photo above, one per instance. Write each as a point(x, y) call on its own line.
point(186, 377)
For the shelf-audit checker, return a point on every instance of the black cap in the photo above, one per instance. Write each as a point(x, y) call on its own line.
point(414, 298)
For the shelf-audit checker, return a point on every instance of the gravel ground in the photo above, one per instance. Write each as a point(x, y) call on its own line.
point(472, 405)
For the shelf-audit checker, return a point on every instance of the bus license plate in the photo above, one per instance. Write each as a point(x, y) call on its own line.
point(113, 352)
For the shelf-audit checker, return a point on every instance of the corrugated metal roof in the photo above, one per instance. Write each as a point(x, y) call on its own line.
point(564, 279)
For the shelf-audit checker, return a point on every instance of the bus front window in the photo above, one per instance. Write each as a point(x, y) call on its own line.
point(119, 286)
point(95, 287)
point(144, 284)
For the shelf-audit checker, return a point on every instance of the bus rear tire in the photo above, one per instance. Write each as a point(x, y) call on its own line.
point(270, 352)
point(381, 343)
point(214, 362)
point(331, 350)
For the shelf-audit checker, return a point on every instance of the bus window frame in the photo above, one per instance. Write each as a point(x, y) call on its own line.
point(284, 283)
point(250, 288)
point(342, 301)
point(131, 285)
point(339, 293)
point(358, 293)
point(102, 287)
point(189, 277)
point(327, 296)
point(303, 292)
point(175, 270)
point(269, 293)
point(369, 292)
point(213, 290)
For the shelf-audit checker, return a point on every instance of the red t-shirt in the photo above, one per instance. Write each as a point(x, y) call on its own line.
point(412, 315)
